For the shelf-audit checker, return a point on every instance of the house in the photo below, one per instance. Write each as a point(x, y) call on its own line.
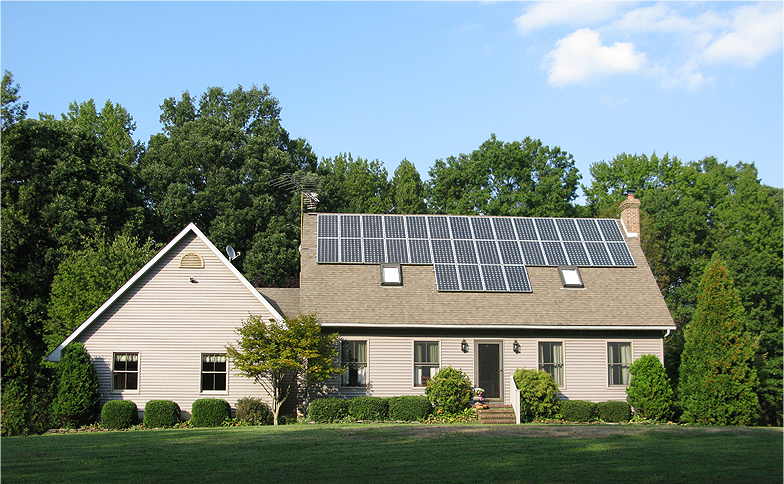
point(408, 294)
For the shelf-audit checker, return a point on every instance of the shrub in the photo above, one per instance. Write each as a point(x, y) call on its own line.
point(77, 400)
point(210, 412)
point(613, 411)
point(649, 390)
point(449, 390)
point(368, 408)
point(538, 394)
point(161, 413)
point(253, 411)
point(328, 410)
point(578, 410)
point(409, 408)
point(119, 414)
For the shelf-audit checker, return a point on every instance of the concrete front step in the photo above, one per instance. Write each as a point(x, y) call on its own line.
point(496, 414)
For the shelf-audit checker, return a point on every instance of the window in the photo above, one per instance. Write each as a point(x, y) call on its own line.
point(570, 276)
point(425, 361)
point(353, 355)
point(391, 275)
point(125, 371)
point(619, 357)
point(213, 373)
point(551, 360)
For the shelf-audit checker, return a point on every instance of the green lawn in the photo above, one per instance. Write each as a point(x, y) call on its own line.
point(400, 453)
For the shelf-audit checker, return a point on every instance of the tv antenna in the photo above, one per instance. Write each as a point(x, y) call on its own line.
point(231, 253)
point(304, 184)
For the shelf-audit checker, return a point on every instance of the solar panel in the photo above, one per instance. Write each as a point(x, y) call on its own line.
point(483, 229)
point(470, 280)
point(532, 253)
point(420, 251)
point(461, 227)
point(488, 252)
point(577, 254)
point(510, 252)
point(493, 277)
point(438, 228)
point(620, 254)
point(446, 277)
point(610, 230)
point(395, 226)
point(504, 228)
point(374, 251)
point(518, 278)
point(554, 253)
point(466, 254)
point(351, 250)
point(599, 254)
point(417, 227)
point(546, 229)
point(328, 226)
point(589, 229)
point(327, 250)
point(568, 229)
point(349, 226)
point(396, 251)
point(442, 252)
point(525, 229)
point(372, 226)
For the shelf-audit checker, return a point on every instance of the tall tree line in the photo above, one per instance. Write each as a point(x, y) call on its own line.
point(79, 189)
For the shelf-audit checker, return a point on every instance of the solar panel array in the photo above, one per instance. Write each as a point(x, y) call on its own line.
point(472, 253)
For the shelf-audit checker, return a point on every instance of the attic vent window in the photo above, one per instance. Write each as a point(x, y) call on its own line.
point(570, 276)
point(191, 260)
point(391, 275)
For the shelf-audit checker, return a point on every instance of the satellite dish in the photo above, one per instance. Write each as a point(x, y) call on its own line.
point(232, 254)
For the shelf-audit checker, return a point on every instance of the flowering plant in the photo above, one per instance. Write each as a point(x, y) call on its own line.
point(480, 392)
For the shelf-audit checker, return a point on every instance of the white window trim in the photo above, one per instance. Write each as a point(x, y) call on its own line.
point(607, 361)
point(562, 386)
point(138, 373)
point(201, 374)
point(414, 363)
point(367, 363)
point(571, 277)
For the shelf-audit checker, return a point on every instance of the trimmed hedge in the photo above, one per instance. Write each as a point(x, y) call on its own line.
point(409, 408)
point(210, 412)
point(368, 408)
point(253, 411)
point(328, 410)
point(614, 411)
point(450, 390)
point(578, 410)
point(161, 413)
point(119, 414)
point(538, 394)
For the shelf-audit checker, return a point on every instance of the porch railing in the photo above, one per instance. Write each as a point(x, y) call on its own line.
point(515, 398)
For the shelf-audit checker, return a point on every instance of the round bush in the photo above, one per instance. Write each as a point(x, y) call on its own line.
point(161, 413)
point(578, 410)
point(649, 390)
point(613, 411)
point(119, 414)
point(538, 394)
point(409, 408)
point(210, 412)
point(328, 410)
point(253, 411)
point(368, 408)
point(449, 390)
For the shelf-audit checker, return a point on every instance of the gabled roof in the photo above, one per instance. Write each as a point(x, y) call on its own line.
point(191, 228)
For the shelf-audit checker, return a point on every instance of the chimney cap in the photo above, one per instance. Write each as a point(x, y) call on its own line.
point(630, 192)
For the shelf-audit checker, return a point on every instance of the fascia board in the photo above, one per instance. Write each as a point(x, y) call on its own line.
point(501, 326)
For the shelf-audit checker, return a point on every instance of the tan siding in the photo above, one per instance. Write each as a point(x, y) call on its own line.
point(170, 322)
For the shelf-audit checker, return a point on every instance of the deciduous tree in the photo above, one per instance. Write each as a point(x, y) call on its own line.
point(353, 186)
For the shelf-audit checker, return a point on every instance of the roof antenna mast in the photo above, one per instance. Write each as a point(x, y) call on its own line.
point(304, 184)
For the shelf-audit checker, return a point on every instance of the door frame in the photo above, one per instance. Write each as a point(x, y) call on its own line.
point(500, 344)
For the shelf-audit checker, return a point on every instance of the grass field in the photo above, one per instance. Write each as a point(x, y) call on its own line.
point(395, 453)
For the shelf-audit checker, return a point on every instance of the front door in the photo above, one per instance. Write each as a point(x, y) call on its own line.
point(488, 362)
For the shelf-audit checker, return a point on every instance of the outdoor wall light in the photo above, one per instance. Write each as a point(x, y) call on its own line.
point(464, 346)
point(516, 347)
point(194, 281)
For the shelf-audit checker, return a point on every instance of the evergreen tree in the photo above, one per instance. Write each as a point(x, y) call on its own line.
point(77, 394)
point(407, 190)
point(649, 390)
point(717, 381)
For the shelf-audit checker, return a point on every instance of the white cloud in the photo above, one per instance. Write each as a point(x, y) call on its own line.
point(687, 77)
point(657, 18)
point(545, 14)
point(756, 33)
point(581, 57)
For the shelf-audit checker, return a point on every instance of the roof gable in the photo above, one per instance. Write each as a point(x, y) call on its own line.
point(191, 228)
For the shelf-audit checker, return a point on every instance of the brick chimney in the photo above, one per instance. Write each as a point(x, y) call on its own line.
point(630, 213)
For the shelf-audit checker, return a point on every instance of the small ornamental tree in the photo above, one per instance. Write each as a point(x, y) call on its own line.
point(717, 383)
point(77, 397)
point(449, 390)
point(649, 391)
point(538, 394)
point(277, 355)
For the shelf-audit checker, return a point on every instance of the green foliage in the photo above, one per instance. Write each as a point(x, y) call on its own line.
point(519, 178)
point(538, 394)
point(649, 391)
point(353, 186)
point(407, 191)
point(717, 381)
point(440, 416)
point(328, 410)
point(276, 354)
point(161, 413)
point(253, 411)
point(12, 110)
point(77, 401)
point(578, 411)
point(210, 412)
point(119, 414)
point(368, 408)
point(449, 390)
point(613, 411)
point(409, 408)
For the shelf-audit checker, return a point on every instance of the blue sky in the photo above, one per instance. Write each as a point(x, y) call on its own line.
point(424, 81)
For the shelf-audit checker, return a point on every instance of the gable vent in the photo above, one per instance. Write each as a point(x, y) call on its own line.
point(191, 260)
